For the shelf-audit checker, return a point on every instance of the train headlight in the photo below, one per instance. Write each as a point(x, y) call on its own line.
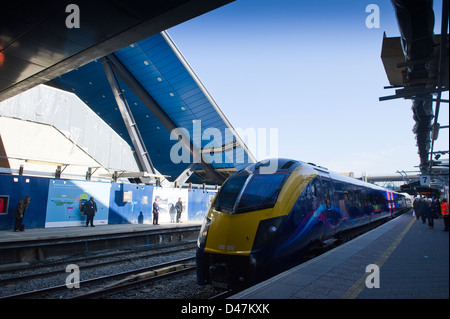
point(201, 241)
point(267, 230)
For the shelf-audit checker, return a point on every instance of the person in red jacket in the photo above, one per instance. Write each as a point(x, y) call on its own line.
point(444, 208)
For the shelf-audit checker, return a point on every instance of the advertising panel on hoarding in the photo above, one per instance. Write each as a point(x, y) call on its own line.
point(167, 199)
point(65, 198)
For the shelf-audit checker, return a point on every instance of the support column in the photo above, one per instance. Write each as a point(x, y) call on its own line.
point(186, 174)
point(142, 155)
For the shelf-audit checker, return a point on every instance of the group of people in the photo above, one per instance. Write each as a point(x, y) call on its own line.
point(177, 208)
point(427, 209)
point(89, 208)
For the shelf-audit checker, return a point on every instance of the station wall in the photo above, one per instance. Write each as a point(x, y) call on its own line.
point(57, 202)
point(65, 198)
point(125, 208)
point(199, 203)
point(12, 189)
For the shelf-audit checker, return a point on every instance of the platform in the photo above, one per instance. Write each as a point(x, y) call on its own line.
point(413, 262)
point(37, 234)
point(40, 244)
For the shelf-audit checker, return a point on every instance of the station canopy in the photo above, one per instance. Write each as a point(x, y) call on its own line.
point(161, 94)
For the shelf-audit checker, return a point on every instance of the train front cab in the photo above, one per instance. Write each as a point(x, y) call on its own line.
point(245, 216)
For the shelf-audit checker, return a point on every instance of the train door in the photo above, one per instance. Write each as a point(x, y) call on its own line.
point(330, 214)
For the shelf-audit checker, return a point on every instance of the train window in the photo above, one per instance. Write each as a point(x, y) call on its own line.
point(317, 188)
point(227, 196)
point(309, 191)
point(312, 190)
point(301, 208)
point(357, 197)
point(326, 191)
point(262, 192)
point(327, 187)
point(373, 199)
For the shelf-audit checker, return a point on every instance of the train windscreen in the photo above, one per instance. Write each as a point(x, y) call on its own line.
point(261, 192)
point(229, 192)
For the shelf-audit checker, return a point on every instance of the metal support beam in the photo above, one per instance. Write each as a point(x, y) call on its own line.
point(162, 116)
point(142, 155)
point(186, 174)
point(443, 55)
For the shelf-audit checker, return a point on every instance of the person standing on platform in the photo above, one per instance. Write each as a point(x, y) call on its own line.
point(172, 213)
point(429, 212)
point(444, 209)
point(155, 211)
point(19, 213)
point(90, 208)
point(436, 208)
point(423, 207)
point(416, 207)
point(179, 207)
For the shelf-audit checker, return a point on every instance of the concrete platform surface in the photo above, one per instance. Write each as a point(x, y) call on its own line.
point(39, 234)
point(401, 259)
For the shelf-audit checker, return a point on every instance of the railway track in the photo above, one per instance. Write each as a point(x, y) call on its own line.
point(48, 280)
point(140, 279)
point(123, 280)
point(87, 262)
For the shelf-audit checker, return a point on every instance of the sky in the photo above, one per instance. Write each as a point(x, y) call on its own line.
point(310, 70)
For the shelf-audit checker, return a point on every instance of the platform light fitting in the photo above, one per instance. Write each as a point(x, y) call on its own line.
point(43, 162)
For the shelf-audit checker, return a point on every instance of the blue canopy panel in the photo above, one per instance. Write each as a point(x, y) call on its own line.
point(159, 68)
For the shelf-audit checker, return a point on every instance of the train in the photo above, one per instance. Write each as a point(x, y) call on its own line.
point(261, 223)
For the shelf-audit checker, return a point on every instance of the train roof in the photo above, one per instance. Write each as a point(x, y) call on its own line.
point(289, 165)
point(322, 171)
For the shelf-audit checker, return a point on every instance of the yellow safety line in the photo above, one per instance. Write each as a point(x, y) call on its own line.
point(354, 291)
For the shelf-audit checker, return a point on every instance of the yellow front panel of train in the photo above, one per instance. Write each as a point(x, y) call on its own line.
point(233, 234)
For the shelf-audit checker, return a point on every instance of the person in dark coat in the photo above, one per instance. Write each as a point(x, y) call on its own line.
point(90, 208)
point(19, 213)
point(179, 208)
point(155, 211)
point(429, 212)
point(416, 207)
point(423, 207)
point(436, 208)
point(172, 213)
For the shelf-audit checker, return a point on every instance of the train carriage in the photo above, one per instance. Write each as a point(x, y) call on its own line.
point(260, 223)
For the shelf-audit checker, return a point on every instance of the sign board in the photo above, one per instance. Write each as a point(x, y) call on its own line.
point(425, 180)
point(167, 199)
point(127, 197)
point(65, 198)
